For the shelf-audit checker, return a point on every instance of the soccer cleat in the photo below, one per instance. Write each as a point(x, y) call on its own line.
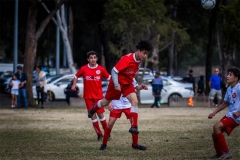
point(92, 111)
point(134, 130)
point(103, 147)
point(139, 147)
point(215, 156)
point(100, 136)
point(226, 156)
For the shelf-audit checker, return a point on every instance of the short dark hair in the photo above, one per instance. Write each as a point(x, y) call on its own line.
point(91, 53)
point(144, 45)
point(40, 67)
point(190, 71)
point(19, 67)
point(235, 71)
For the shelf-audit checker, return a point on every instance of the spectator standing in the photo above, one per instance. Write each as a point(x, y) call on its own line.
point(191, 79)
point(40, 82)
point(22, 77)
point(93, 74)
point(14, 83)
point(231, 120)
point(200, 90)
point(71, 93)
point(157, 86)
point(122, 77)
point(215, 87)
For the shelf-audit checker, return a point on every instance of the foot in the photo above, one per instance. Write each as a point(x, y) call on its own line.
point(103, 147)
point(151, 106)
point(92, 111)
point(215, 156)
point(100, 136)
point(133, 130)
point(139, 147)
point(226, 156)
point(12, 106)
point(42, 107)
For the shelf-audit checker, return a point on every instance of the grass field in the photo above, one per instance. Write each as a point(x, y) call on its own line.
point(61, 134)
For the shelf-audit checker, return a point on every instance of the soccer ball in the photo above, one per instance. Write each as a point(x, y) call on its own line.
point(208, 4)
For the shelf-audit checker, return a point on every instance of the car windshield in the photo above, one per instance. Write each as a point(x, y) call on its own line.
point(51, 79)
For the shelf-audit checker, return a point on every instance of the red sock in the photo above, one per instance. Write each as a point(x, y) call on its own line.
point(134, 139)
point(222, 142)
point(134, 119)
point(104, 124)
point(107, 133)
point(217, 146)
point(96, 127)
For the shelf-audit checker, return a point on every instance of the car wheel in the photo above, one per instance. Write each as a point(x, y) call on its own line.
point(50, 96)
point(173, 99)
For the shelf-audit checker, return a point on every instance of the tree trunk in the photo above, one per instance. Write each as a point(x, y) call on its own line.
point(30, 51)
point(64, 30)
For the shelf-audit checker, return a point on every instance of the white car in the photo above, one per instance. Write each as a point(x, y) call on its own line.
point(175, 90)
point(54, 89)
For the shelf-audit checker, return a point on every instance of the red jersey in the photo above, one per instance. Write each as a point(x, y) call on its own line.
point(92, 79)
point(127, 67)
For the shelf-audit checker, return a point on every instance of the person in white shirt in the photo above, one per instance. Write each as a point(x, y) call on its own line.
point(116, 108)
point(15, 84)
point(231, 119)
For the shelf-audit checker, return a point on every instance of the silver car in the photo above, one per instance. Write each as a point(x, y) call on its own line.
point(174, 90)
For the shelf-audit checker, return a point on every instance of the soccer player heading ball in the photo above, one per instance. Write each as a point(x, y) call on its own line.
point(122, 77)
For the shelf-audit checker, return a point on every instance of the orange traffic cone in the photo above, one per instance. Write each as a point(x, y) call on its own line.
point(190, 101)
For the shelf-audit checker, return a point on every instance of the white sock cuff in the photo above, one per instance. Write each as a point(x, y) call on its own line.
point(94, 120)
point(99, 104)
point(102, 119)
point(134, 109)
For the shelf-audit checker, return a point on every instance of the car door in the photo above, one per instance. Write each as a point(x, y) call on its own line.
point(59, 87)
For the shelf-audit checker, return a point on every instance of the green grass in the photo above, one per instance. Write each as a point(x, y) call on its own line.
point(55, 134)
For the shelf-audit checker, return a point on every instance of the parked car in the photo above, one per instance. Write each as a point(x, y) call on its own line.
point(4, 75)
point(54, 89)
point(175, 90)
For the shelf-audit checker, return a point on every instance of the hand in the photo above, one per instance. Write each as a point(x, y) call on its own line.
point(236, 114)
point(145, 87)
point(73, 87)
point(110, 107)
point(211, 115)
point(118, 88)
point(81, 96)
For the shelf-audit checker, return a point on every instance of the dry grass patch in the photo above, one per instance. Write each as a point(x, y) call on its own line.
point(168, 133)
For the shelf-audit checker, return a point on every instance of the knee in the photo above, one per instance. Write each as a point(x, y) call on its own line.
point(134, 103)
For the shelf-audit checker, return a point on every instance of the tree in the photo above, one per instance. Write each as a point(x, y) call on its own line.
point(129, 21)
point(228, 34)
point(32, 36)
point(64, 30)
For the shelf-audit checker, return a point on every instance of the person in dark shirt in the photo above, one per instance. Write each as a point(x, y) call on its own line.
point(22, 77)
point(190, 79)
point(157, 86)
point(200, 90)
point(71, 93)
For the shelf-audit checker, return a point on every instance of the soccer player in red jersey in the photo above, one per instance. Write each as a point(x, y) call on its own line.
point(122, 76)
point(92, 74)
point(116, 108)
